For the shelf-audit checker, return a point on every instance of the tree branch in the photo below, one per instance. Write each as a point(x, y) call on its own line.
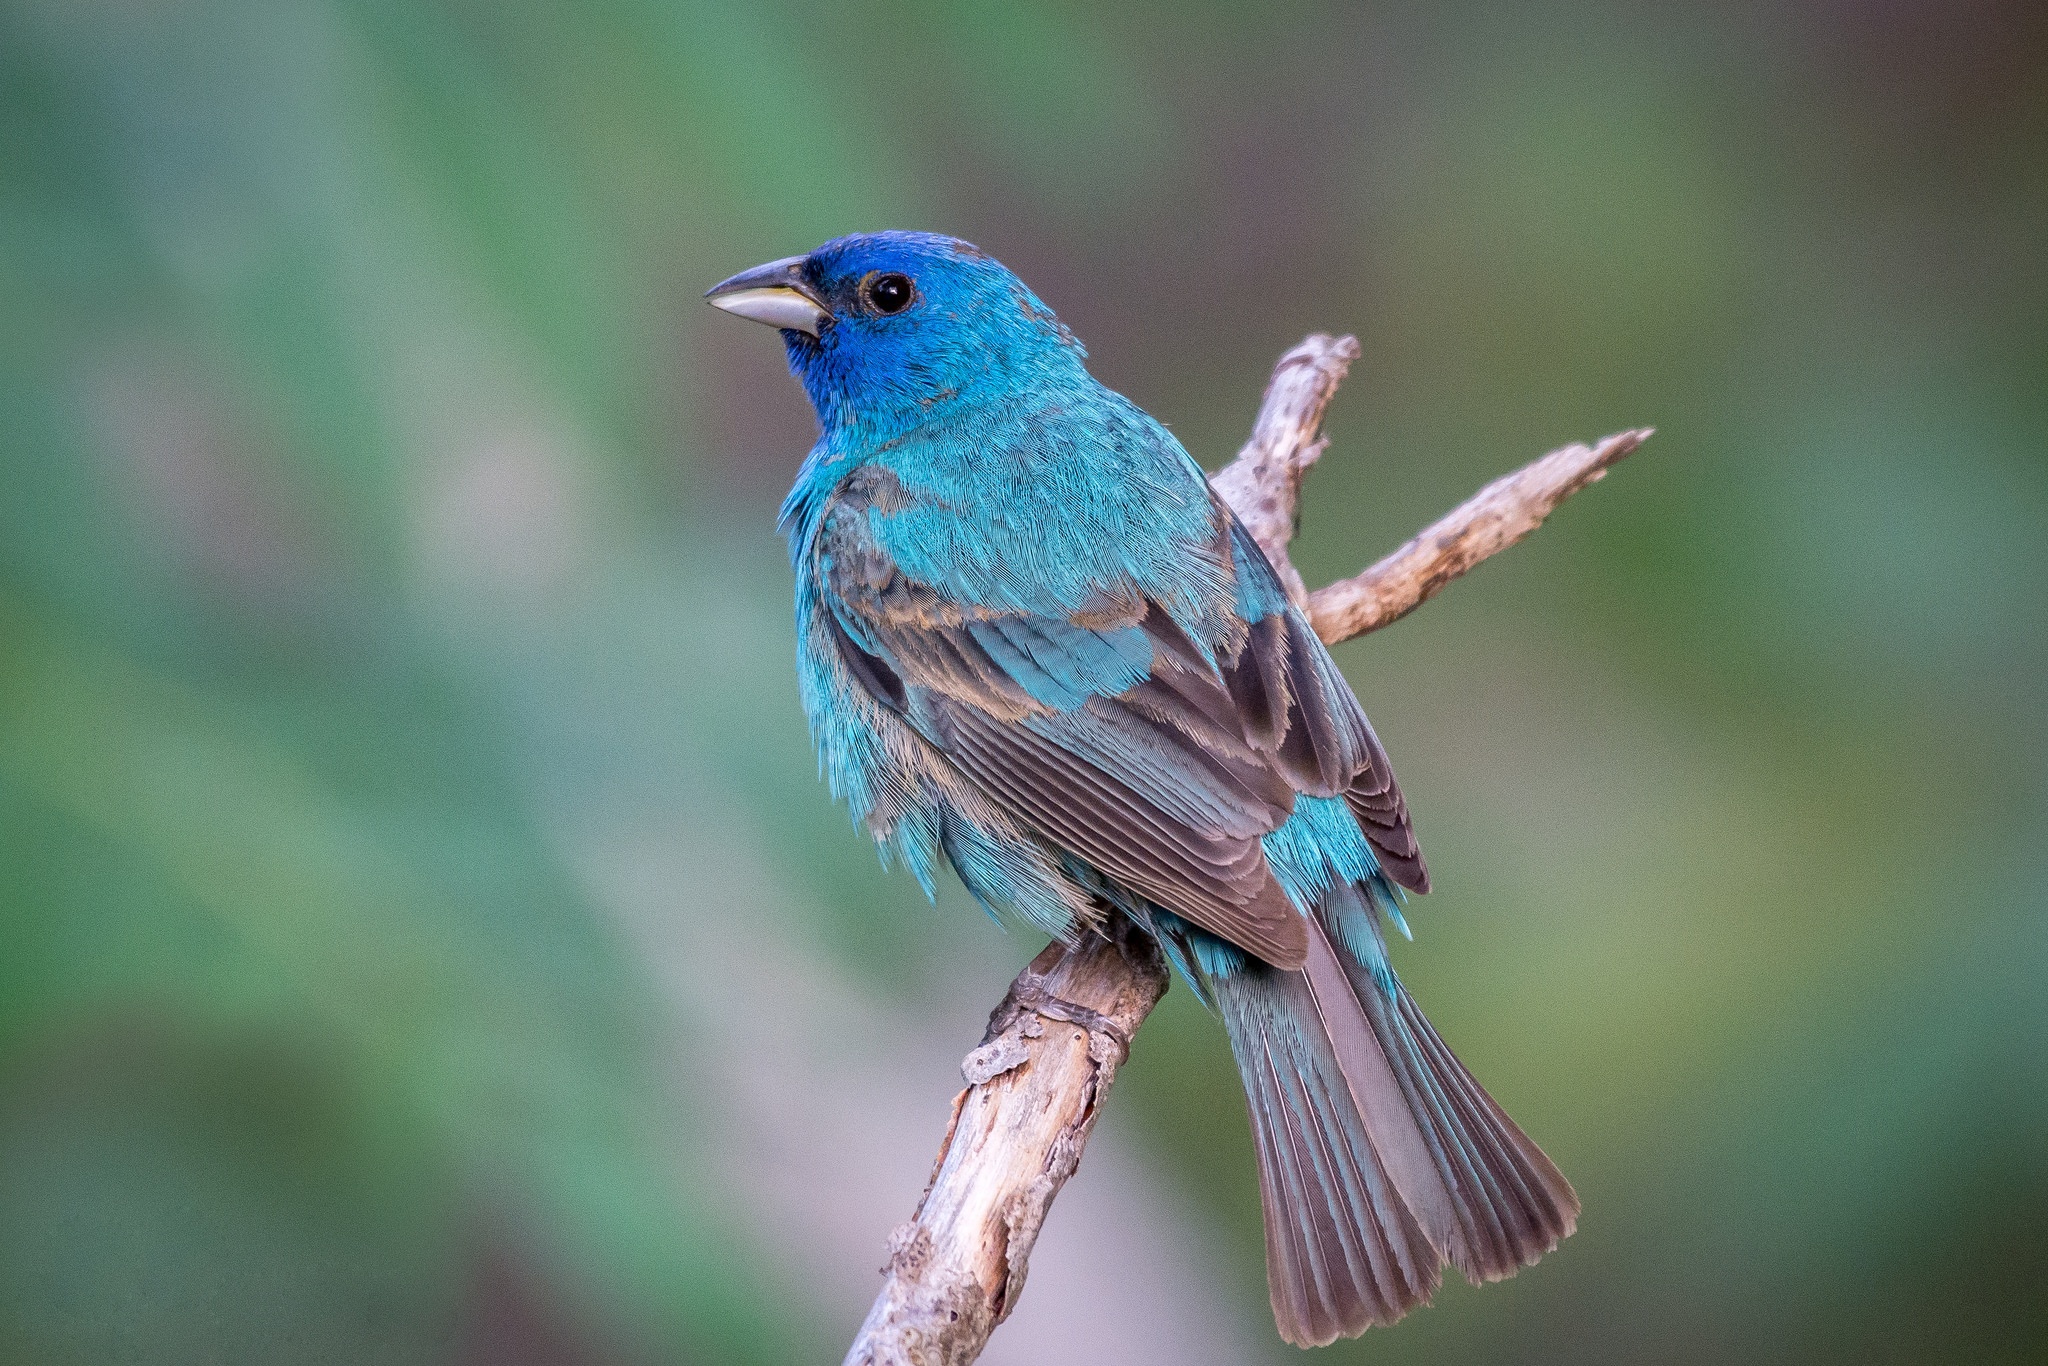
point(1034, 1089)
point(1263, 485)
point(1037, 1082)
point(1483, 525)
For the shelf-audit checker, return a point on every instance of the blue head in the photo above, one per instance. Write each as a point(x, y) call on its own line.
point(886, 329)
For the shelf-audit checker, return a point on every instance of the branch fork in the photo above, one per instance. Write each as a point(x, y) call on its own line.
point(1036, 1084)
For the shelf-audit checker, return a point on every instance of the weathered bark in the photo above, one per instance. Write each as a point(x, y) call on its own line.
point(1263, 485)
point(1034, 1089)
point(1485, 524)
point(1037, 1082)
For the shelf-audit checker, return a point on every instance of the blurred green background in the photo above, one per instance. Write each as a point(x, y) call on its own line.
point(423, 937)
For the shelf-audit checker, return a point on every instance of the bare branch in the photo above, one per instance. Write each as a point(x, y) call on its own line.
point(1034, 1090)
point(1263, 485)
point(1483, 525)
point(1038, 1081)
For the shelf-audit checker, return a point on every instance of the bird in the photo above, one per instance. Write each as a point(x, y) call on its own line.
point(1034, 646)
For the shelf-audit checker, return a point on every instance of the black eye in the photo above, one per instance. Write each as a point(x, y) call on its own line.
point(889, 293)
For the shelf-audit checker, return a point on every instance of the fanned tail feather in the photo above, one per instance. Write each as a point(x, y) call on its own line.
point(1342, 1249)
point(1380, 1158)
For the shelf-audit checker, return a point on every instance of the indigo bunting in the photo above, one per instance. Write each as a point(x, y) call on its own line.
point(1033, 645)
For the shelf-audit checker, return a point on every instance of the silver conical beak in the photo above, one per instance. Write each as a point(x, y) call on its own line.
point(776, 294)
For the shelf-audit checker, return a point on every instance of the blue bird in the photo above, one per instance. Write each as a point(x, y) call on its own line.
point(1034, 646)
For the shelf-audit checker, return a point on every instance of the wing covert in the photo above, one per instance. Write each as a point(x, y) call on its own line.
point(1158, 759)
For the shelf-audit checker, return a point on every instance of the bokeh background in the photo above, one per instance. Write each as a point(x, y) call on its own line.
point(423, 937)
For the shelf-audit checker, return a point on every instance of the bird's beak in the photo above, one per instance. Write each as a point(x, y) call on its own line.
point(776, 294)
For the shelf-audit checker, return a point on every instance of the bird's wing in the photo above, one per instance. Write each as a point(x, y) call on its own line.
point(1112, 732)
point(1296, 705)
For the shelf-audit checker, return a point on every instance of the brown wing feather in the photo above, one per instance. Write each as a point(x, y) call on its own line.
point(1382, 812)
point(1320, 739)
point(1217, 881)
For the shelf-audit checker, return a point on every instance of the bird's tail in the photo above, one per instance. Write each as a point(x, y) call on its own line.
point(1380, 1158)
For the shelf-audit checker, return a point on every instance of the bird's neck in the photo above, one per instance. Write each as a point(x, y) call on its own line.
point(867, 396)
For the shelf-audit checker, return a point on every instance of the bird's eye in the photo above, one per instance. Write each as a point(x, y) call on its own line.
point(890, 293)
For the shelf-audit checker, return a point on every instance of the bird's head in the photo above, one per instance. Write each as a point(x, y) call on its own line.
point(883, 328)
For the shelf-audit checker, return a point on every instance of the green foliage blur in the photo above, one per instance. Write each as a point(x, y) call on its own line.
point(423, 936)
